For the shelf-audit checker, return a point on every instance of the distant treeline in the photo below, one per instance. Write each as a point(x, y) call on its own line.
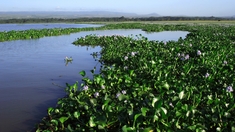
point(111, 19)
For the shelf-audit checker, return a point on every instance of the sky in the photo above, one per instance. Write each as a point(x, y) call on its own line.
point(161, 7)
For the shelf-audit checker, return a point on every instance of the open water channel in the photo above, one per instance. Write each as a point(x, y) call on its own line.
point(33, 72)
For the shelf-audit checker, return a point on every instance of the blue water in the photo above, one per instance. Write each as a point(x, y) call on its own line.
point(9, 27)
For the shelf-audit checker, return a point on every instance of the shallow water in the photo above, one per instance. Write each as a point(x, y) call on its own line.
point(33, 73)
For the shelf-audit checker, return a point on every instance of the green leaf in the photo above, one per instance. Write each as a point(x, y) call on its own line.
point(100, 127)
point(75, 86)
point(154, 100)
point(105, 104)
point(135, 118)
point(121, 97)
point(157, 103)
point(98, 79)
point(181, 94)
point(55, 122)
point(76, 114)
point(178, 113)
point(131, 72)
point(91, 122)
point(149, 129)
point(126, 129)
point(93, 102)
point(144, 111)
point(164, 110)
point(233, 129)
point(166, 86)
point(188, 113)
point(63, 119)
point(155, 118)
point(49, 110)
point(82, 73)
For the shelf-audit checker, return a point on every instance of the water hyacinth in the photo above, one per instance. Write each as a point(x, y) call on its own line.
point(102, 86)
point(183, 56)
point(123, 91)
point(96, 94)
point(176, 89)
point(178, 54)
point(225, 62)
point(186, 57)
point(229, 89)
point(85, 87)
point(118, 94)
point(207, 75)
point(132, 53)
point(199, 52)
point(68, 59)
point(170, 104)
point(125, 58)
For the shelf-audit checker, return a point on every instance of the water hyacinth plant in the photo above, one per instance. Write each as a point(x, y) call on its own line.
point(68, 60)
point(144, 85)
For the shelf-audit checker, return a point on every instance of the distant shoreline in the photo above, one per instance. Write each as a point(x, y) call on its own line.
point(103, 20)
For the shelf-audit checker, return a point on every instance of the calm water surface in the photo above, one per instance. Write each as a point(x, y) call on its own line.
point(33, 72)
point(9, 27)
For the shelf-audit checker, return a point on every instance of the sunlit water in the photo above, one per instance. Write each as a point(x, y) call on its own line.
point(33, 74)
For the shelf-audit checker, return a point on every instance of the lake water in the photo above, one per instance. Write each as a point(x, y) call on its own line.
point(9, 27)
point(33, 73)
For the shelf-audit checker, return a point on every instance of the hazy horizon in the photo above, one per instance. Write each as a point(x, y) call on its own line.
point(163, 8)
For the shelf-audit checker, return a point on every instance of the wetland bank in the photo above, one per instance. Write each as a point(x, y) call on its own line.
point(144, 84)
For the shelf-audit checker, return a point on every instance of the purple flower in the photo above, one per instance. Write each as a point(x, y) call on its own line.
point(132, 53)
point(207, 75)
point(190, 45)
point(118, 94)
point(123, 91)
point(225, 62)
point(125, 58)
point(102, 86)
point(178, 54)
point(96, 94)
point(85, 87)
point(186, 57)
point(171, 104)
point(125, 67)
point(199, 52)
point(229, 89)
